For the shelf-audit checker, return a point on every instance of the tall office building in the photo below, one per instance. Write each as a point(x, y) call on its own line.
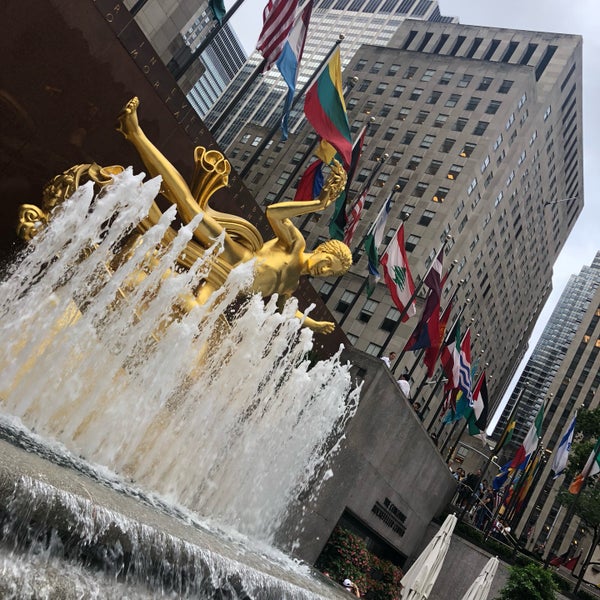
point(482, 129)
point(540, 372)
point(175, 30)
point(569, 350)
point(359, 21)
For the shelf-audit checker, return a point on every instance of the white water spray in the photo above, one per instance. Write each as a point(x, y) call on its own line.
point(235, 433)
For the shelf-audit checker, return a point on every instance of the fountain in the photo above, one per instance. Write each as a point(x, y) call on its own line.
point(212, 416)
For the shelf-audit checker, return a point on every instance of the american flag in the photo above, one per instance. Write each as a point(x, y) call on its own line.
point(278, 19)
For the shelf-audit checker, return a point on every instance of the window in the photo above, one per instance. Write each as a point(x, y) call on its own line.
point(522, 157)
point(393, 70)
point(441, 194)
point(416, 94)
point(381, 87)
point(427, 141)
point(363, 174)
point(414, 162)
point(452, 101)
point(364, 85)
point(433, 167)
point(446, 77)
point(510, 178)
point(345, 301)
point(403, 113)
point(410, 72)
point(325, 290)
point(391, 319)
point(390, 133)
point(360, 65)
point(395, 158)
point(460, 124)
point(467, 150)
point(407, 210)
point(473, 103)
point(429, 73)
point(369, 104)
point(297, 158)
point(493, 107)
point(373, 349)
point(381, 179)
point(472, 186)
point(401, 183)
point(498, 142)
point(533, 137)
point(376, 67)
point(459, 209)
point(257, 140)
point(447, 145)
point(440, 120)
point(420, 189)
point(367, 311)
point(246, 155)
point(464, 81)
point(377, 153)
point(485, 83)
point(426, 217)
point(454, 172)
point(434, 97)
point(498, 198)
point(505, 86)
point(480, 128)
point(510, 121)
point(385, 110)
point(421, 116)
point(397, 91)
point(485, 164)
point(408, 137)
point(411, 242)
point(546, 114)
point(245, 138)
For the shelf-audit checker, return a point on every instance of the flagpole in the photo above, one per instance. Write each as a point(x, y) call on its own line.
point(227, 110)
point(179, 71)
point(297, 99)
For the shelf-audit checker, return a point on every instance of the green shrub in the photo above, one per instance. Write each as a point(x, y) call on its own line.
point(532, 582)
point(563, 584)
point(585, 595)
point(346, 556)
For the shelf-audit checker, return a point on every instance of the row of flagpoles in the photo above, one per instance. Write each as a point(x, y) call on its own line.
point(281, 43)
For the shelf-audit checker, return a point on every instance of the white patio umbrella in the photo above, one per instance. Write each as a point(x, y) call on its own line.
point(419, 579)
point(480, 588)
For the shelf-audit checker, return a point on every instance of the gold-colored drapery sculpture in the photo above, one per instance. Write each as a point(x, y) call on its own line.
point(279, 262)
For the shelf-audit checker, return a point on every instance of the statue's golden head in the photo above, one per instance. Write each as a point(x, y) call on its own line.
point(331, 258)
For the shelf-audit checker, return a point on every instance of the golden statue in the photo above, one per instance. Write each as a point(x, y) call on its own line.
point(279, 262)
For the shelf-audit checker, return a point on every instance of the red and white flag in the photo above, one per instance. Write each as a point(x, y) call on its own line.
point(397, 275)
point(278, 20)
point(354, 218)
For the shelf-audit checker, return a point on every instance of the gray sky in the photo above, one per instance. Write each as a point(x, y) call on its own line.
point(582, 17)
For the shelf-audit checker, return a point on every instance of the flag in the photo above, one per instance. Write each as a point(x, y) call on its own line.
point(372, 242)
point(278, 20)
point(432, 353)
point(506, 435)
point(559, 560)
point(530, 442)
point(450, 358)
point(561, 455)
point(311, 183)
point(218, 9)
point(501, 478)
point(427, 330)
point(464, 369)
point(592, 467)
point(325, 109)
point(572, 562)
point(288, 62)
point(338, 222)
point(477, 418)
point(354, 218)
point(397, 275)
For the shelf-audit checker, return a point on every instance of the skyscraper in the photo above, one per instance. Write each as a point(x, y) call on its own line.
point(564, 369)
point(482, 132)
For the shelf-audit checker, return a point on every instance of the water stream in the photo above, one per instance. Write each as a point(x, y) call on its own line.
point(233, 431)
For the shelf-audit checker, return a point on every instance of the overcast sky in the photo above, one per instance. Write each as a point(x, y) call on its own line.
point(581, 17)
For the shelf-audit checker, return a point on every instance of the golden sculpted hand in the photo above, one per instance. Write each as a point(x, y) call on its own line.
point(334, 186)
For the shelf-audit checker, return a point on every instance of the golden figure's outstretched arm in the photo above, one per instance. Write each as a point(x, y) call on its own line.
point(277, 214)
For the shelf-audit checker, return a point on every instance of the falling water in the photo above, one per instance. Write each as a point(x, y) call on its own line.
point(229, 422)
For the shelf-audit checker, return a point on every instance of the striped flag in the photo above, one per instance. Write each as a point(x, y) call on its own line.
point(396, 273)
point(288, 62)
point(530, 443)
point(311, 183)
point(325, 108)
point(278, 20)
point(354, 218)
point(464, 368)
point(561, 455)
point(432, 353)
